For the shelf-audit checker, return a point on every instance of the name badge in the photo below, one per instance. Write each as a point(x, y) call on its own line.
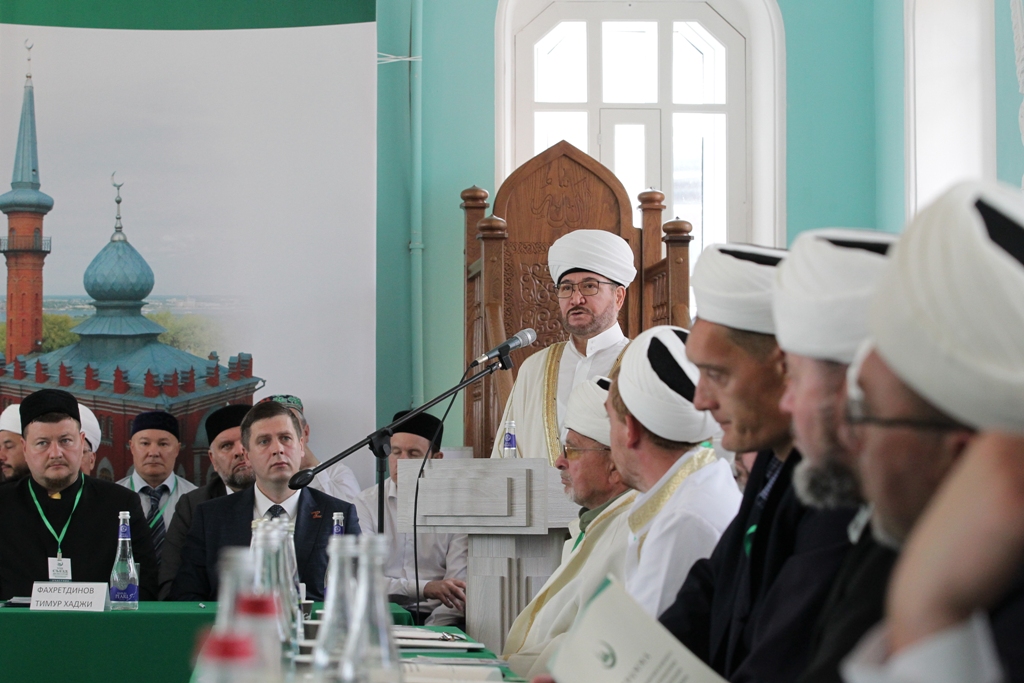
point(60, 568)
point(68, 596)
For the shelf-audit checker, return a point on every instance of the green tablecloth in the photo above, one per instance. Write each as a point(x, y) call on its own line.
point(154, 644)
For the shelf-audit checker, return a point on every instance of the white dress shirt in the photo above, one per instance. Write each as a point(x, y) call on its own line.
point(176, 488)
point(338, 481)
point(263, 504)
point(441, 556)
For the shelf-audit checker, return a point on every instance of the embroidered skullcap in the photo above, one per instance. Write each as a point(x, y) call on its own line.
point(948, 315)
point(585, 412)
point(156, 419)
point(425, 425)
point(596, 251)
point(224, 419)
point(732, 285)
point(46, 401)
point(822, 291)
point(91, 427)
point(10, 419)
point(284, 399)
point(657, 383)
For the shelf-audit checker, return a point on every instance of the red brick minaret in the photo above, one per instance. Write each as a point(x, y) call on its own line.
point(25, 247)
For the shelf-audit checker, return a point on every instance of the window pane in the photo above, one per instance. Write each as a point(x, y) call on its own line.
point(630, 162)
point(560, 64)
point(698, 177)
point(550, 127)
point(698, 65)
point(630, 61)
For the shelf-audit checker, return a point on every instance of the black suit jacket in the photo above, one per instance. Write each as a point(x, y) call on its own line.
point(1007, 620)
point(750, 618)
point(227, 521)
point(178, 530)
point(90, 542)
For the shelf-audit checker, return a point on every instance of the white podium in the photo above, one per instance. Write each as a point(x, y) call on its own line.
point(516, 515)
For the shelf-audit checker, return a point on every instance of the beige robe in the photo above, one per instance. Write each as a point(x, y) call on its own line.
point(537, 631)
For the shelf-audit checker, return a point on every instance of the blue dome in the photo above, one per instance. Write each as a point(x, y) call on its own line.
point(118, 273)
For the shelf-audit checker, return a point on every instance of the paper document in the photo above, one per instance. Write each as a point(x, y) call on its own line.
point(616, 641)
point(412, 670)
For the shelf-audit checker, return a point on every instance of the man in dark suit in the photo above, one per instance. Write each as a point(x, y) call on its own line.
point(234, 473)
point(57, 512)
point(271, 436)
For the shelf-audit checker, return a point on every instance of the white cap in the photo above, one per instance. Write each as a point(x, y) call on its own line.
point(91, 426)
point(732, 285)
point(10, 419)
point(585, 412)
point(596, 251)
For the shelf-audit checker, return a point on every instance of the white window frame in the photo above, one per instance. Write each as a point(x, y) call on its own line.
point(760, 22)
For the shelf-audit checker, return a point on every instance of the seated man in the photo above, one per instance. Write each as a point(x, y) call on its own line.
point(93, 436)
point(271, 437)
point(592, 481)
point(233, 473)
point(442, 557)
point(12, 447)
point(687, 495)
point(58, 515)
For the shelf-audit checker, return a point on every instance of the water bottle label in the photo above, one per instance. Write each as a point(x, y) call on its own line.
point(337, 531)
point(123, 531)
point(129, 593)
point(509, 441)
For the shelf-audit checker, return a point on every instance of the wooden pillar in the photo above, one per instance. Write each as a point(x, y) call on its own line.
point(677, 242)
point(492, 232)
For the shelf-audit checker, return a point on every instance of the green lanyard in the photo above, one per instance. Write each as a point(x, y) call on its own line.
point(159, 515)
point(579, 539)
point(47, 522)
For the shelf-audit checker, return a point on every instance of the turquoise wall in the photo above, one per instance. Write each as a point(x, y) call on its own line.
point(1009, 149)
point(890, 186)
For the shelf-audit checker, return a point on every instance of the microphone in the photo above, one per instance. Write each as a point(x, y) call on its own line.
point(301, 479)
point(518, 340)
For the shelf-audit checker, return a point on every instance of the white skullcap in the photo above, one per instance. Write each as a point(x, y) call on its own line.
point(823, 289)
point(732, 285)
point(948, 314)
point(10, 419)
point(585, 413)
point(657, 383)
point(597, 251)
point(91, 426)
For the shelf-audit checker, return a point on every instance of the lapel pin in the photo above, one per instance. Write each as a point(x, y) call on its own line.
point(316, 514)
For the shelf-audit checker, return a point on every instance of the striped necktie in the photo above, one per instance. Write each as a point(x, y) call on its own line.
point(157, 530)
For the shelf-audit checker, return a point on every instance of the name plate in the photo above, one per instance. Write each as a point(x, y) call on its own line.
point(69, 596)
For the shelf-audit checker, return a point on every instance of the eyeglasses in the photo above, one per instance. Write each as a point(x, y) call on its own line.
point(586, 288)
point(856, 414)
point(570, 453)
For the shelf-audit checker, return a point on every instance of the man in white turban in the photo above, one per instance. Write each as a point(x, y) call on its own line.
point(822, 292)
point(591, 270)
point(687, 495)
point(592, 481)
point(749, 609)
point(13, 466)
point(944, 361)
point(93, 437)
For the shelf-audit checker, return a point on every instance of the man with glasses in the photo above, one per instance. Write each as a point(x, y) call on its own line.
point(687, 495)
point(592, 481)
point(944, 361)
point(591, 270)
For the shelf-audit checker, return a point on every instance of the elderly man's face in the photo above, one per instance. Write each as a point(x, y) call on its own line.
point(815, 397)
point(53, 451)
point(227, 455)
point(900, 466)
point(12, 454)
point(274, 449)
point(588, 474)
point(586, 316)
point(742, 390)
point(407, 446)
point(153, 454)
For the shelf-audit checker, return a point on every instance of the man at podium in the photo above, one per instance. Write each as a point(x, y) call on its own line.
point(591, 270)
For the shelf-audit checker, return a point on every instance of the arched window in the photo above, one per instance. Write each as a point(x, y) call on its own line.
point(687, 97)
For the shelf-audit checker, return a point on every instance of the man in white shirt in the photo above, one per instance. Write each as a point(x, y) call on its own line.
point(591, 270)
point(13, 466)
point(687, 495)
point(155, 446)
point(442, 557)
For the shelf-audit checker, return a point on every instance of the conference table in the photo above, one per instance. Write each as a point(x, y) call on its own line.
point(154, 644)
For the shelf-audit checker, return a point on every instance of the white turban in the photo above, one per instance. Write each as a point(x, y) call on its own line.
point(948, 315)
point(91, 427)
point(823, 289)
point(732, 285)
point(597, 251)
point(585, 413)
point(657, 383)
point(10, 419)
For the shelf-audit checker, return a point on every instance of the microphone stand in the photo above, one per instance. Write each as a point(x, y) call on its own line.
point(378, 441)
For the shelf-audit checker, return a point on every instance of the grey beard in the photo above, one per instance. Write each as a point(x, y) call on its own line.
point(827, 486)
point(241, 480)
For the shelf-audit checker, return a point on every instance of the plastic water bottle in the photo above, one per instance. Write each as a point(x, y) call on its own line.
point(124, 580)
point(371, 655)
point(337, 529)
point(508, 444)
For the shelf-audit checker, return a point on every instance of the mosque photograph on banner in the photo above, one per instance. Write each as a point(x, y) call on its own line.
point(180, 232)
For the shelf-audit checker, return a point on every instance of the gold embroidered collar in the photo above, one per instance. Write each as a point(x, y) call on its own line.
point(650, 508)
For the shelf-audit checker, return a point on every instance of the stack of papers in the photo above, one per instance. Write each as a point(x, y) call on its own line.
point(417, 672)
point(412, 639)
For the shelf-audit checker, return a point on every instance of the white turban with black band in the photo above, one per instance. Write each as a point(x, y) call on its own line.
point(657, 383)
point(948, 315)
point(732, 285)
point(585, 413)
point(596, 251)
point(823, 289)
